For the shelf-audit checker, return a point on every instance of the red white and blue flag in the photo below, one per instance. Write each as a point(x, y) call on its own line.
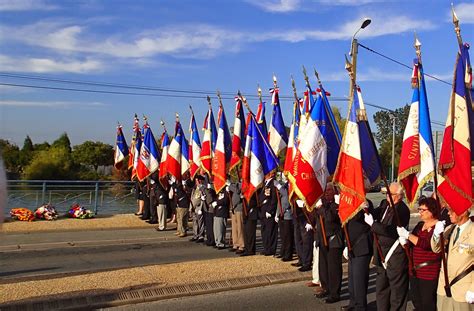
point(194, 148)
point(121, 148)
point(163, 174)
point(222, 153)
point(277, 136)
point(349, 174)
point(175, 155)
point(238, 138)
point(208, 142)
point(261, 120)
point(456, 156)
point(417, 162)
point(259, 160)
point(135, 147)
point(148, 160)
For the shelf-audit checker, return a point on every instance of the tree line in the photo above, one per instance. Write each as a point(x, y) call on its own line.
point(86, 161)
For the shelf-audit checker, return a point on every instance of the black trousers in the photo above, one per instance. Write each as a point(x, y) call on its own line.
point(423, 294)
point(298, 239)
point(146, 207)
point(209, 222)
point(358, 282)
point(287, 239)
point(250, 232)
point(330, 270)
point(392, 284)
point(269, 231)
point(153, 210)
point(307, 239)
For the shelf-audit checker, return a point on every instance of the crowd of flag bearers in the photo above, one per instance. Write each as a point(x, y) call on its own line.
point(315, 201)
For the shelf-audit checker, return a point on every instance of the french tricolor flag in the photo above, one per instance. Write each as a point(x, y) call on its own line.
point(455, 183)
point(208, 142)
point(148, 160)
point(349, 172)
point(238, 138)
point(277, 136)
point(135, 147)
point(222, 153)
point(121, 148)
point(175, 153)
point(417, 156)
point(163, 174)
point(194, 148)
point(261, 120)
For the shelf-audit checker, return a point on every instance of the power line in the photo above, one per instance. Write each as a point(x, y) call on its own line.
point(402, 64)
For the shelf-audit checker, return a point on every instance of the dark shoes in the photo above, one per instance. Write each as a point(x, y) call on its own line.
point(332, 300)
point(321, 294)
point(286, 259)
point(138, 214)
point(239, 252)
point(305, 268)
point(247, 254)
point(221, 247)
point(200, 241)
point(297, 264)
point(152, 222)
point(232, 249)
point(192, 240)
point(346, 308)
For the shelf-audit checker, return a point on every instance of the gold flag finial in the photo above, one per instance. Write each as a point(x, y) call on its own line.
point(317, 77)
point(349, 68)
point(259, 91)
point(305, 76)
point(294, 89)
point(177, 117)
point(145, 119)
point(275, 85)
point(457, 29)
point(417, 46)
point(219, 97)
point(163, 124)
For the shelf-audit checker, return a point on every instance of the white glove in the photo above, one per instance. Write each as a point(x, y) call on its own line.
point(278, 186)
point(275, 183)
point(308, 227)
point(277, 219)
point(227, 189)
point(209, 186)
point(203, 197)
point(345, 253)
point(214, 204)
point(227, 182)
point(369, 219)
point(319, 203)
point(183, 182)
point(470, 296)
point(241, 196)
point(199, 212)
point(439, 228)
point(300, 203)
point(337, 198)
point(403, 233)
point(268, 215)
point(402, 240)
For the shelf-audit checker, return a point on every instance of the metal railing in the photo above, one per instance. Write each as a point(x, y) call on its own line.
point(111, 197)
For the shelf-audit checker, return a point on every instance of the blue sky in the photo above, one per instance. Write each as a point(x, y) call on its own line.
point(208, 45)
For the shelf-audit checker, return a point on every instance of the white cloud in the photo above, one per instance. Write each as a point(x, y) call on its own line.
point(347, 2)
point(51, 104)
point(43, 65)
point(26, 5)
point(276, 6)
point(465, 13)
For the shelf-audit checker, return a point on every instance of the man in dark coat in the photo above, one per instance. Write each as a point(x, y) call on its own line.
point(268, 208)
point(392, 272)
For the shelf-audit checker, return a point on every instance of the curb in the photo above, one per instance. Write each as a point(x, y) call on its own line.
point(156, 293)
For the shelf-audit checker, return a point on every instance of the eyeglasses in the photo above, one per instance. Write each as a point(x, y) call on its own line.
point(421, 210)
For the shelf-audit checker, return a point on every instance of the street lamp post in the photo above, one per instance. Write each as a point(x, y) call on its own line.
point(354, 51)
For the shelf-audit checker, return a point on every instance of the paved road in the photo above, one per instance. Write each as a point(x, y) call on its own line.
point(289, 296)
point(44, 254)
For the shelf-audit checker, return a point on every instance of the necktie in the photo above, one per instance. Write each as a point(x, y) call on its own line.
point(457, 235)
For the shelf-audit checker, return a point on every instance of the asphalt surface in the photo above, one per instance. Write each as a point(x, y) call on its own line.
point(41, 255)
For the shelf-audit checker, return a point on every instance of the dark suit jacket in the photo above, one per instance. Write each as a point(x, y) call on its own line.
point(332, 225)
point(182, 197)
point(267, 199)
point(360, 235)
point(222, 208)
point(386, 227)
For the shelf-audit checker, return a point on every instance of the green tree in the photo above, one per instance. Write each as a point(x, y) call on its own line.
point(63, 141)
point(26, 152)
point(93, 154)
point(383, 121)
point(43, 146)
point(55, 163)
point(11, 156)
point(341, 122)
